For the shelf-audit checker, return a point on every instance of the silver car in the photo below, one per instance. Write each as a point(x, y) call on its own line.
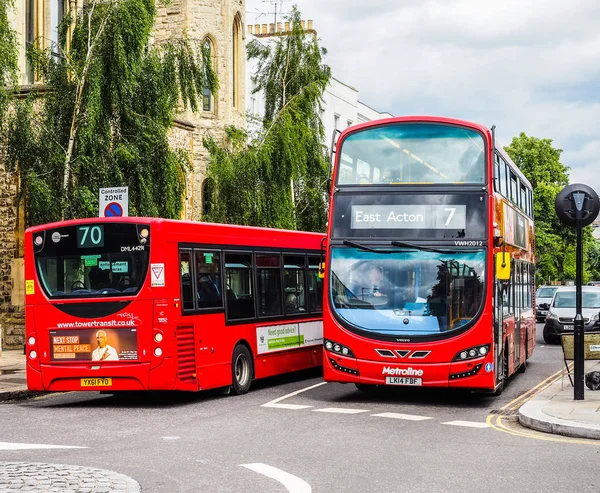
point(561, 311)
point(543, 295)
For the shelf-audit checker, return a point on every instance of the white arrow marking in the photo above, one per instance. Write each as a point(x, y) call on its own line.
point(31, 446)
point(292, 483)
point(274, 402)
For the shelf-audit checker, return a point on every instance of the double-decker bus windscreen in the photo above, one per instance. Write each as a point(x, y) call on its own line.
point(412, 153)
point(92, 260)
point(406, 294)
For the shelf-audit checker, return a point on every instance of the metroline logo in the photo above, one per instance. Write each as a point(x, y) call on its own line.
point(406, 372)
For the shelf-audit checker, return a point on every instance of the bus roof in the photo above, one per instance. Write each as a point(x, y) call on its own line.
point(175, 222)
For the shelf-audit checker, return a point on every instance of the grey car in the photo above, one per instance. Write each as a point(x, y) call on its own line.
point(561, 311)
point(543, 295)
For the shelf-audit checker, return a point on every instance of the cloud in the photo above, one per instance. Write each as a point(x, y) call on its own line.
point(525, 65)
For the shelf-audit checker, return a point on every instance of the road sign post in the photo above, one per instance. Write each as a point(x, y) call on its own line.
point(114, 202)
point(578, 205)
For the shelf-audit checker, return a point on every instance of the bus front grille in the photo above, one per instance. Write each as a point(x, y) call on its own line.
point(186, 356)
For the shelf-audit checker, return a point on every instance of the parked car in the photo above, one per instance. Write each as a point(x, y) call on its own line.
point(543, 295)
point(561, 311)
point(594, 283)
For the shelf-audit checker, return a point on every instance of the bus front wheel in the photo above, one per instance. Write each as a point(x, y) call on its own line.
point(241, 370)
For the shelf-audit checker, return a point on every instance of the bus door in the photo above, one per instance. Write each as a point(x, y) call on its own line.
point(185, 340)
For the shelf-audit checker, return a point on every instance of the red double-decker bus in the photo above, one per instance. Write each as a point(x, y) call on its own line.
point(149, 304)
point(430, 258)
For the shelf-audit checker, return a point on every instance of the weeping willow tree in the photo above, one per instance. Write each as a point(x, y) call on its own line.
point(279, 178)
point(103, 114)
point(8, 60)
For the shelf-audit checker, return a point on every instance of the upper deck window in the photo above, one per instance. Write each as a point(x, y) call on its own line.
point(412, 153)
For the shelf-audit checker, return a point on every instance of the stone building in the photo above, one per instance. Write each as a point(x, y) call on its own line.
point(218, 25)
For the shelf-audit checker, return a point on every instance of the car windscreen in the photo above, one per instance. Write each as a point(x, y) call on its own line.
point(566, 299)
point(92, 260)
point(545, 292)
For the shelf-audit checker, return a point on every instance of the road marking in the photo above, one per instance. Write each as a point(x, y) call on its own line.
point(408, 417)
point(292, 483)
point(31, 446)
point(468, 424)
point(274, 402)
point(170, 438)
point(340, 410)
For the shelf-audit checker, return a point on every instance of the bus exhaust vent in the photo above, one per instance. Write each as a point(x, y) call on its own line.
point(186, 355)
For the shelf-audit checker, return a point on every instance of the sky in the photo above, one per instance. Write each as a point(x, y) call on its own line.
point(528, 66)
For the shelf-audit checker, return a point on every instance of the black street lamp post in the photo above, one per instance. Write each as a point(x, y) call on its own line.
point(578, 205)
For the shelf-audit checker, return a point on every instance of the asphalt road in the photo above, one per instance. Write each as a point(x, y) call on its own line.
point(331, 438)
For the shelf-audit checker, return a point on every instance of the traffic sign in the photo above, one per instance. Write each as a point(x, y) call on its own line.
point(113, 209)
point(114, 202)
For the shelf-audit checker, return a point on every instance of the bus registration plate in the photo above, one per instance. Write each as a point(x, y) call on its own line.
point(96, 382)
point(403, 381)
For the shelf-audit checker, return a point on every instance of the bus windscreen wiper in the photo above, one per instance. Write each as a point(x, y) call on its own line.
point(403, 244)
point(364, 247)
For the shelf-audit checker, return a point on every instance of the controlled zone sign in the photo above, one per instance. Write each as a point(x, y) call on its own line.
point(114, 202)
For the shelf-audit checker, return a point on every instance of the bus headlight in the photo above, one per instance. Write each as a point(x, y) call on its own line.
point(31, 340)
point(32, 354)
point(335, 347)
point(158, 337)
point(472, 353)
point(158, 352)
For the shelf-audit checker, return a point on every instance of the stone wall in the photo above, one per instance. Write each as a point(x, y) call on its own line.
point(214, 19)
point(12, 311)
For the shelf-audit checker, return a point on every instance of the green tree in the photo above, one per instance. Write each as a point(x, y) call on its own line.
point(280, 178)
point(8, 58)
point(555, 242)
point(103, 115)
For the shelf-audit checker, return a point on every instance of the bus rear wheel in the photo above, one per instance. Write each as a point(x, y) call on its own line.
point(241, 370)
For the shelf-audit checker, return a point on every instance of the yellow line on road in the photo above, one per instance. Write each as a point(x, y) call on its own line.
point(496, 421)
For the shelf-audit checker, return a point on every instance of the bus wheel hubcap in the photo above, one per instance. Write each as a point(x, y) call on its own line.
point(241, 370)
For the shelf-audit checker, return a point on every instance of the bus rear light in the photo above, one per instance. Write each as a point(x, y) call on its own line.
point(335, 347)
point(31, 340)
point(473, 352)
point(32, 354)
point(157, 352)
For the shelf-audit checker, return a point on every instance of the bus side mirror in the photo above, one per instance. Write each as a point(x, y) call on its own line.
point(503, 266)
point(321, 270)
point(498, 241)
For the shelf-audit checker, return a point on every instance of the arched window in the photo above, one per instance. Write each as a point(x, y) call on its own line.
point(207, 196)
point(237, 27)
point(206, 93)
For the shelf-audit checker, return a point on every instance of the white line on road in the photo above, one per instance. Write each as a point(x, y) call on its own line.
point(469, 424)
point(409, 417)
point(274, 402)
point(292, 483)
point(31, 446)
point(340, 410)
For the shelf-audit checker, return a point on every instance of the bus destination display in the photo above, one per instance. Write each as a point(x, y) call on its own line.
point(409, 217)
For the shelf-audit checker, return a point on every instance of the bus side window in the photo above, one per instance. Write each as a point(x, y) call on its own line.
point(185, 273)
point(315, 286)
point(208, 279)
point(268, 279)
point(293, 275)
point(238, 276)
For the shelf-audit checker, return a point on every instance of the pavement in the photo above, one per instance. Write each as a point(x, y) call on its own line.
point(38, 477)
